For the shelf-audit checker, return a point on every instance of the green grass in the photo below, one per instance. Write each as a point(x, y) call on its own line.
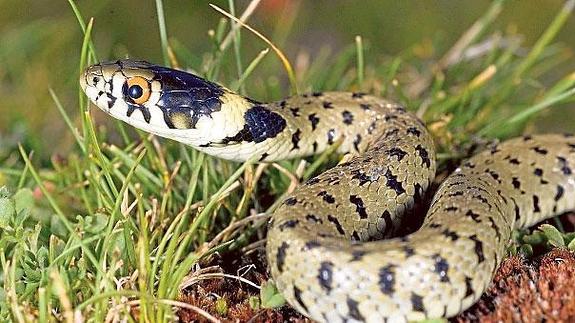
point(114, 229)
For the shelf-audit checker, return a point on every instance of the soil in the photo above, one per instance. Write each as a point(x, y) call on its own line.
point(534, 290)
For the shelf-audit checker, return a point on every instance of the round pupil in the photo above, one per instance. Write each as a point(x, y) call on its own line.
point(135, 91)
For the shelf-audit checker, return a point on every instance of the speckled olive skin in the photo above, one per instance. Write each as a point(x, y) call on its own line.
point(325, 246)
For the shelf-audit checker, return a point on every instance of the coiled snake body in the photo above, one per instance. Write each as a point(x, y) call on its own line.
point(324, 245)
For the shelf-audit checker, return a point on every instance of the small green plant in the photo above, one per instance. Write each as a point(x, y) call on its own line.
point(546, 236)
point(221, 306)
point(270, 297)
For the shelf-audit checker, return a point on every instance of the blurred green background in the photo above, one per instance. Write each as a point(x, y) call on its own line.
point(40, 44)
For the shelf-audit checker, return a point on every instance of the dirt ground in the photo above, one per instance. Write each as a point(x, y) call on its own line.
point(535, 290)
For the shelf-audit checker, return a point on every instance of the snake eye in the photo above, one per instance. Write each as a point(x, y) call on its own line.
point(135, 92)
point(137, 89)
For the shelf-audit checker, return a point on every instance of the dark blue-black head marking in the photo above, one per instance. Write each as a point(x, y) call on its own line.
point(182, 95)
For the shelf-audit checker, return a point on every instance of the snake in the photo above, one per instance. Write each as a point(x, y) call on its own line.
point(332, 244)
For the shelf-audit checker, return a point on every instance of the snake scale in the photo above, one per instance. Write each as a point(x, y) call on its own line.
point(330, 245)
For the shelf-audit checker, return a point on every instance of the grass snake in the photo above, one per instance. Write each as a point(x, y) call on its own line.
point(330, 246)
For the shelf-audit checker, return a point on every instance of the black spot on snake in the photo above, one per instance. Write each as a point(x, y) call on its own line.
point(514, 161)
point(451, 208)
point(330, 136)
point(355, 236)
point(516, 209)
point(396, 152)
point(494, 175)
point(388, 117)
point(335, 221)
point(387, 279)
point(478, 248)
point(450, 234)
point(494, 149)
point(347, 117)
point(290, 201)
point(400, 109)
point(357, 255)
point(313, 218)
point(495, 228)
point(564, 166)
point(263, 157)
point(456, 193)
point(294, 111)
point(538, 172)
point(424, 155)
point(314, 121)
point(281, 255)
point(357, 95)
point(417, 302)
point(325, 275)
point(326, 197)
point(371, 127)
point(391, 132)
point(408, 251)
point(482, 199)
point(111, 99)
point(359, 207)
point(332, 180)
point(312, 244)
point(288, 224)
point(297, 296)
point(317, 94)
point(559, 194)
point(353, 310)
point(263, 123)
point(312, 181)
point(393, 183)
point(361, 176)
point(516, 183)
point(356, 142)
point(536, 207)
point(314, 146)
point(365, 106)
point(327, 105)
point(145, 112)
point(295, 138)
point(468, 287)
point(441, 268)
point(539, 150)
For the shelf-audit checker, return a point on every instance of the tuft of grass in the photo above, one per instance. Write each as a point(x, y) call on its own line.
point(112, 231)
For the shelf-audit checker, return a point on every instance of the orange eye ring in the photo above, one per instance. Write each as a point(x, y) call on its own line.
point(138, 89)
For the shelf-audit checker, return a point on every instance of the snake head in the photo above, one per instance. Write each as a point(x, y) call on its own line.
point(168, 102)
